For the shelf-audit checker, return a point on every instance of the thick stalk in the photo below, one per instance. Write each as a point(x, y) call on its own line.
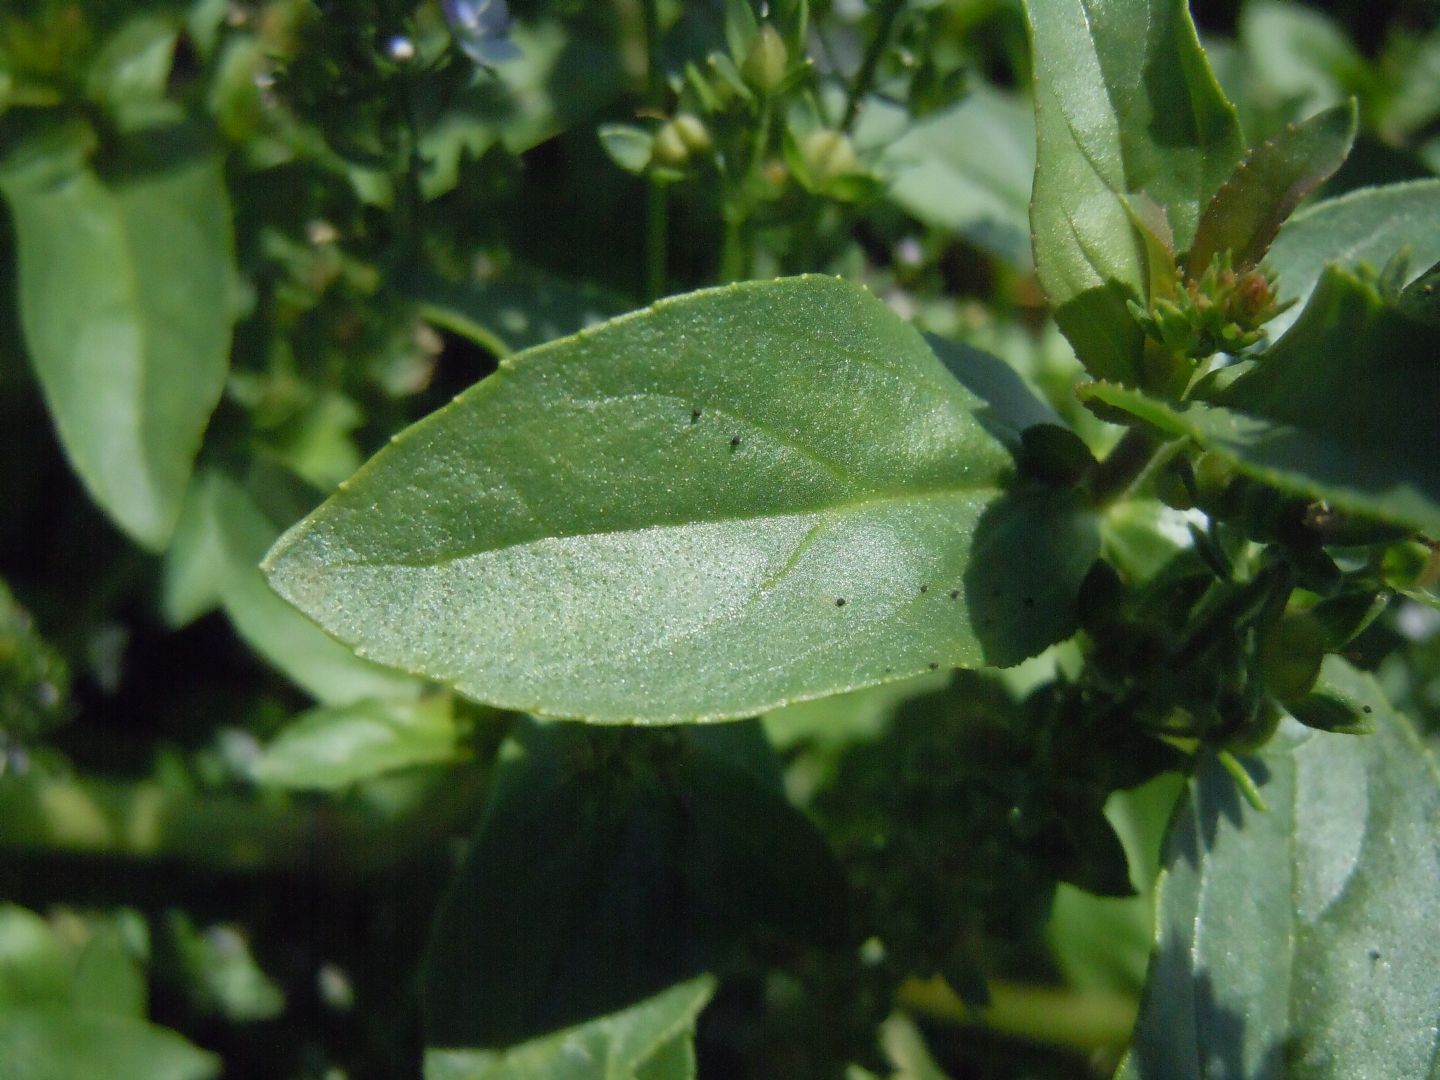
point(1113, 477)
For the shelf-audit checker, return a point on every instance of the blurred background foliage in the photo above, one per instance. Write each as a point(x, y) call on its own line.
point(221, 830)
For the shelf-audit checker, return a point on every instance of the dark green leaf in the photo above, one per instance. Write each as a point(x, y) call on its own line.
point(1125, 102)
point(648, 1041)
point(56, 1043)
point(610, 865)
point(125, 299)
point(1300, 942)
point(34, 969)
point(703, 510)
point(1341, 409)
point(1245, 214)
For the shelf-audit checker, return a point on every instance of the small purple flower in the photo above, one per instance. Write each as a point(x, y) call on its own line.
point(481, 28)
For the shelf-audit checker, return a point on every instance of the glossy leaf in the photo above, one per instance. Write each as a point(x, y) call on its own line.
point(1368, 226)
point(1341, 409)
point(712, 507)
point(967, 169)
point(125, 299)
point(330, 748)
point(648, 1041)
point(1125, 102)
point(58, 1043)
point(1245, 214)
point(589, 886)
point(1300, 942)
point(225, 536)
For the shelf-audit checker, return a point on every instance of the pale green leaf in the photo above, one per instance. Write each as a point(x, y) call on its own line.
point(1125, 102)
point(718, 505)
point(967, 169)
point(1299, 942)
point(648, 1041)
point(34, 969)
point(1368, 226)
point(332, 747)
point(58, 1043)
point(125, 300)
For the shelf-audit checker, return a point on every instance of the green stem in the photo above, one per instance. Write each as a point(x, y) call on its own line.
point(146, 820)
point(865, 77)
point(1053, 1016)
point(1113, 477)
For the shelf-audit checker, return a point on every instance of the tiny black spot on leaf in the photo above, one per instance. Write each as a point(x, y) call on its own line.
point(924, 588)
point(695, 414)
point(954, 594)
point(934, 664)
point(1366, 709)
point(735, 441)
point(839, 601)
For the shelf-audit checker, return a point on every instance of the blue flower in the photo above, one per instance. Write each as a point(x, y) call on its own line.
point(481, 28)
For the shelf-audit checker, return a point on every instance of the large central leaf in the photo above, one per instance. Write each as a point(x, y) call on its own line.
point(731, 500)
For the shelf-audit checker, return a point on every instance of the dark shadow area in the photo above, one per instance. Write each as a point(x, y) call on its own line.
point(1010, 406)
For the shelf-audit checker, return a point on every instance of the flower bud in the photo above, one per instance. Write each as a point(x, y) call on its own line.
point(767, 61)
point(693, 133)
point(828, 155)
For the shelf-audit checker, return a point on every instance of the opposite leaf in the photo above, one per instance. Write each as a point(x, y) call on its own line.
point(1299, 942)
point(125, 299)
point(723, 503)
point(1248, 210)
point(1125, 102)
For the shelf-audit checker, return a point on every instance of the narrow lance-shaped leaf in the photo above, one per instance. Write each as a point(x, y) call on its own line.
point(1299, 942)
point(725, 502)
point(1125, 102)
point(125, 287)
point(1245, 214)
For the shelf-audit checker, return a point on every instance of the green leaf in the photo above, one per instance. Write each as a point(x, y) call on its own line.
point(108, 977)
point(34, 969)
point(626, 145)
point(610, 864)
point(125, 299)
point(1125, 102)
point(1362, 227)
point(718, 505)
point(1300, 942)
point(56, 1043)
point(1245, 214)
point(967, 169)
point(221, 973)
point(234, 533)
point(1298, 61)
point(648, 1041)
point(327, 749)
point(1341, 409)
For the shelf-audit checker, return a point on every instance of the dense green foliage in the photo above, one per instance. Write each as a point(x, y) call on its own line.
point(651, 539)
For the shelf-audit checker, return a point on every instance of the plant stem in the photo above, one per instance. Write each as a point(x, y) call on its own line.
point(865, 77)
point(1113, 477)
point(1053, 1016)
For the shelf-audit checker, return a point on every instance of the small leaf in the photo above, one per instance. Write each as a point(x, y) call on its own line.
point(330, 748)
point(700, 511)
point(125, 300)
point(1299, 942)
point(648, 1041)
point(58, 1043)
point(1245, 214)
point(627, 146)
point(1118, 112)
point(34, 969)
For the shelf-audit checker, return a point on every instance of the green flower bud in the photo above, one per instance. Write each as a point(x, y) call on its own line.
point(693, 133)
point(669, 148)
point(766, 63)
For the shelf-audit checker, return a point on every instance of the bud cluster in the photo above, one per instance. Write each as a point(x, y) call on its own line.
point(1221, 310)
